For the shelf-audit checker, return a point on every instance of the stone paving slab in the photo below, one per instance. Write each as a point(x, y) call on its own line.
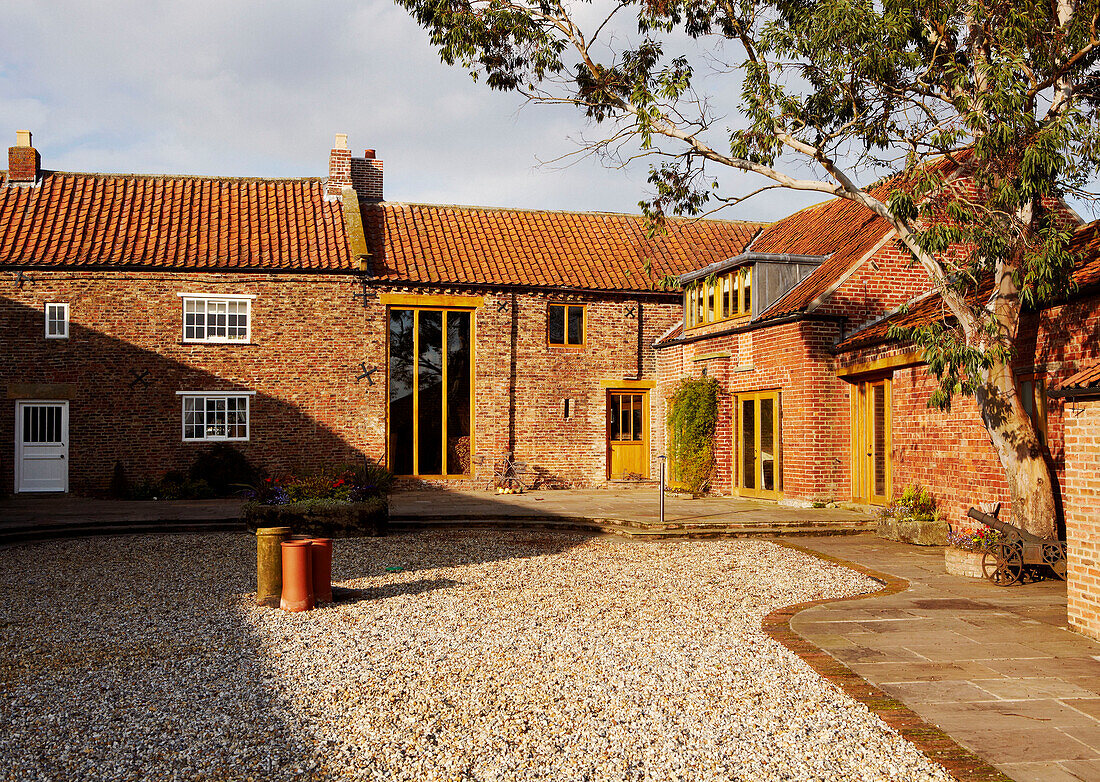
point(996, 668)
point(628, 505)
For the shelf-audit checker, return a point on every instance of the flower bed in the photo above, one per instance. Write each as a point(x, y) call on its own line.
point(335, 503)
point(322, 518)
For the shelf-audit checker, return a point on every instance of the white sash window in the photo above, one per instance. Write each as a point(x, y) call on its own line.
point(211, 416)
point(57, 320)
point(221, 319)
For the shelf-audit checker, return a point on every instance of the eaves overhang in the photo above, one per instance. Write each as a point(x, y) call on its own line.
point(744, 259)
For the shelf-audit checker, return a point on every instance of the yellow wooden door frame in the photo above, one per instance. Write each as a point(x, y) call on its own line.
point(864, 452)
point(644, 445)
point(425, 306)
point(757, 489)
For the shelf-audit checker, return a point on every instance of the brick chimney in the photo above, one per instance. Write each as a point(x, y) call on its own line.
point(364, 174)
point(23, 160)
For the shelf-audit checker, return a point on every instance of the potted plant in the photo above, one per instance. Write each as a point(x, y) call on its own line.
point(965, 549)
point(913, 518)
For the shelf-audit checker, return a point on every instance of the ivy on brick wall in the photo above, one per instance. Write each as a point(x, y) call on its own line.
point(692, 420)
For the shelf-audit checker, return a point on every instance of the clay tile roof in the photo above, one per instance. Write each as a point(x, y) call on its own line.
point(841, 229)
point(595, 251)
point(1087, 378)
point(930, 308)
point(113, 220)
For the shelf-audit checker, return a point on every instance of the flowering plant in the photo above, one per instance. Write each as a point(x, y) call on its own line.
point(339, 484)
point(974, 540)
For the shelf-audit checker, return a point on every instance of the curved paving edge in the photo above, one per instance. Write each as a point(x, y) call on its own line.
point(960, 762)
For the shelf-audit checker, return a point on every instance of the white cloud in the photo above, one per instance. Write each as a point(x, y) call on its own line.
point(259, 88)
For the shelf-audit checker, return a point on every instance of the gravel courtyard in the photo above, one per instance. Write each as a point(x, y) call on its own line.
point(449, 655)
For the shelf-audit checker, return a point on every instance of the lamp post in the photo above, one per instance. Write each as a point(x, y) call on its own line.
point(661, 488)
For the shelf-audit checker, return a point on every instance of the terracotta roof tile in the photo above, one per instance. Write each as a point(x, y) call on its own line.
point(171, 221)
point(841, 229)
point(1089, 377)
point(930, 308)
point(599, 251)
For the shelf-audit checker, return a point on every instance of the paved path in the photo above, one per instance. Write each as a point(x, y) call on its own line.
point(632, 505)
point(629, 512)
point(996, 668)
point(24, 509)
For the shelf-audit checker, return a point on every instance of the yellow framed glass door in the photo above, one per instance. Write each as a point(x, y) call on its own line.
point(758, 445)
point(628, 434)
point(430, 392)
point(871, 442)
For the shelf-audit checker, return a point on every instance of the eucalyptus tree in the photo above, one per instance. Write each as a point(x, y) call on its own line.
point(984, 112)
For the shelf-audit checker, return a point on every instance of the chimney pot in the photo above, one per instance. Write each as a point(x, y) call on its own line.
point(341, 141)
point(369, 154)
point(23, 160)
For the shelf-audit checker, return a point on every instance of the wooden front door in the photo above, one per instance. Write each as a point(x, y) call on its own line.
point(41, 446)
point(758, 444)
point(871, 442)
point(628, 435)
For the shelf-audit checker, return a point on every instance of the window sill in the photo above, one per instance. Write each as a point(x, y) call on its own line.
point(216, 440)
point(217, 343)
point(743, 318)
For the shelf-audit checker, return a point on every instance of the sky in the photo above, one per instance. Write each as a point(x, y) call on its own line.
point(249, 88)
point(252, 88)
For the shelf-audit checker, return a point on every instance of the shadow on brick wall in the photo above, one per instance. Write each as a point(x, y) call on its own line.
point(123, 405)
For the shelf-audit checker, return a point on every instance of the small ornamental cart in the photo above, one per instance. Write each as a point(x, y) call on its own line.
point(1018, 555)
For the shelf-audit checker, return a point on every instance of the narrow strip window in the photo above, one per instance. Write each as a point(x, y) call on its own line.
point(216, 320)
point(57, 321)
point(215, 417)
point(565, 324)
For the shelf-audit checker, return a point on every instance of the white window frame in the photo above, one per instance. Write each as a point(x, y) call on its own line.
point(64, 321)
point(214, 396)
point(208, 299)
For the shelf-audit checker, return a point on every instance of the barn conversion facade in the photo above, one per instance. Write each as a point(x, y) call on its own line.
point(309, 322)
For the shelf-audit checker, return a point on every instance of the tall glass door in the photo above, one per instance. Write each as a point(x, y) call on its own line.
point(758, 465)
point(430, 385)
point(871, 442)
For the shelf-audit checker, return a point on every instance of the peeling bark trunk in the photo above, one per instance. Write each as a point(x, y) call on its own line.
point(1030, 482)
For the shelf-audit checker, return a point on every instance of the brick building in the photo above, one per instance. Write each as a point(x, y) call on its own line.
point(764, 324)
point(309, 322)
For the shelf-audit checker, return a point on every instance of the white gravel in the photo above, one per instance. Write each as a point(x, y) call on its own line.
point(489, 655)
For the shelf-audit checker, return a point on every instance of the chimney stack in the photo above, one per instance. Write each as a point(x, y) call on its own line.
point(363, 174)
point(23, 160)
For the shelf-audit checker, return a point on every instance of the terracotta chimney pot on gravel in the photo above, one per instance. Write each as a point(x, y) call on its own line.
point(297, 575)
point(322, 569)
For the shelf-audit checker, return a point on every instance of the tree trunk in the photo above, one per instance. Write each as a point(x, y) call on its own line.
point(1030, 483)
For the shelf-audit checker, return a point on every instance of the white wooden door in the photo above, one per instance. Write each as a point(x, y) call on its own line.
point(41, 446)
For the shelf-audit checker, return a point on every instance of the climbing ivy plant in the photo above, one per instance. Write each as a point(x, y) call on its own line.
point(692, 419)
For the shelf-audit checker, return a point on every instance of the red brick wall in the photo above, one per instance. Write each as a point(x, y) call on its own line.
point(949, 452)
point(573, 450)
point(792, 358)
point(309, 335)
point(1082, 499)
point(887, 280)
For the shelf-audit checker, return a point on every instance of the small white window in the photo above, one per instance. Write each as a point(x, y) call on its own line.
point(57, 321)
point(212, 416)
point(217, 320)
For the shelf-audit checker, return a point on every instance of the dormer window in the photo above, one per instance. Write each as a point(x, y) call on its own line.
point(719, 298)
